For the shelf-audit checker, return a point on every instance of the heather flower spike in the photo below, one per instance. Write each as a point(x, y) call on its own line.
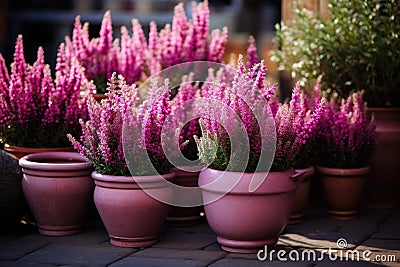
point(252, 57)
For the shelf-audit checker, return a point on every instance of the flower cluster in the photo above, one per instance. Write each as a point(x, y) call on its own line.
point(34, 110)
point(346, 137)
point(183, 107)
point(123, 129)
point(296, 125)
point(134, 57)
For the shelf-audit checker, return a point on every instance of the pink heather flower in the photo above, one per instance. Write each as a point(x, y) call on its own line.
point(237, 95)
point(141, 121)
point(217, 44)
point(252, 57)
point(347, 136)
point(106, 34)
point(37, 111)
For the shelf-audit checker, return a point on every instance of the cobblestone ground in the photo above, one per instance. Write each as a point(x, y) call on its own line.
point(376, 233)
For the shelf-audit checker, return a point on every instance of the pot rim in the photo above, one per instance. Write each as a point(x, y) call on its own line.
point(342, 171)
point(217, 181)
point(13, 148)
point(132, 179)
point(30, 161)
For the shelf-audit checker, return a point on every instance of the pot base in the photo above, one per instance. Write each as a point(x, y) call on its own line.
point(59, 230)
point(238, 246)
point(133, 242)
point(296, 218)
point(184, 221)
point(342, 215)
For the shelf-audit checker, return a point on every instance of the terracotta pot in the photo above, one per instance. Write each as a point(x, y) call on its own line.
point(343, 190)
point(301, 196)
point(58, 189)
point(185, 216)
point(246, 221)
point(383, 181)
point(131, 216)
point(20, 152)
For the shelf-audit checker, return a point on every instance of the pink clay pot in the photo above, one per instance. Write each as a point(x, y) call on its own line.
point(246, 221)
point(185, 216)
point(59, 190)
point(131, 216)
point(301, 196)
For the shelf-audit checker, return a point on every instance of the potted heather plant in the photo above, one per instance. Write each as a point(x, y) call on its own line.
point(187, 167)
point(247, 205)
point(346, 140)
point(36, 111)
point(330, 46)
point(185, 105)
point(122, 138)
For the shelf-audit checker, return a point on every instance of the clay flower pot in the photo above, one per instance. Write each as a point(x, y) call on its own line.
point(301, 196)
point(383, 180)
point(131, 216)
point(20, 152)
point(343, 189)
point(247, 221)
point(59, 190)
point(185, 216)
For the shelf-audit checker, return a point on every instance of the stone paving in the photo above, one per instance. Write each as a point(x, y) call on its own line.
point(375, 232)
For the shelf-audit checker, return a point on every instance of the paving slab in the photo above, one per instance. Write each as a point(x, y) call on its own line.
point(19, 247)
point(80, 255)
point(201, 255)
point(188, 241)
point(228, 262)
point(213, 247)
point(23, 264)
point(380, 244)
point(157, 262)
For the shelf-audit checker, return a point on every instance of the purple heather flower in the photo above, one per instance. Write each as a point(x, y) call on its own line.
point(252, 57)
point(347, 136)
point(36, 104)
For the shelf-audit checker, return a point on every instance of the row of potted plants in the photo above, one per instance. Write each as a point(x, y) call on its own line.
point(140, 165)
point(254, 147)
point(355, 46)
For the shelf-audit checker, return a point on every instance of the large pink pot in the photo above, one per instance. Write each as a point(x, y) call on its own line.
point(58, 189)
point(301, 196)
point(246, 221)
point(343, 189)
point(131, 216)
point(185, 216)
point(383, 181)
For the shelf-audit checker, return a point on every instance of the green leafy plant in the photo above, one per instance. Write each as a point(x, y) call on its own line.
point(356, 47)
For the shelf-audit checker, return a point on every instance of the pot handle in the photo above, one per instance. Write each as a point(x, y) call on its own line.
point(298, 175)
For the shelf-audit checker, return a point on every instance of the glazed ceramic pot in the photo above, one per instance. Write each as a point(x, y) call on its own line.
point(243, 219)
point(20, 152)
point(185, 216)
point(59, 190)
point(132, 217)
point(301, 195)
point(343, 189)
